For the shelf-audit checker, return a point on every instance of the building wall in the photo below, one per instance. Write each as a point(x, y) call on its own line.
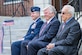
point(1, 7)
point(10, 10)
point(42, 4)
point(60, 3)
point(15, 9)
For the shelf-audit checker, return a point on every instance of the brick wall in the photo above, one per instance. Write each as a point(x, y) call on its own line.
point(11, 9)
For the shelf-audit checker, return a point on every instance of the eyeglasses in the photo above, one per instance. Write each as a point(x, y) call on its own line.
point(64, 13)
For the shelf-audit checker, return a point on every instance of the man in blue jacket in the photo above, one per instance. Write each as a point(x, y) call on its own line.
point(19, 46)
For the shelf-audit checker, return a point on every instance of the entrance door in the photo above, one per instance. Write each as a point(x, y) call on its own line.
point(58, 4)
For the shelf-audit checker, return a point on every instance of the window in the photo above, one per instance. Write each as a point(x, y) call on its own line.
point(10, 0)
point(6, 2)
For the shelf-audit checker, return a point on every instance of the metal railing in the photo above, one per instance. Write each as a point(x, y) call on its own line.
point(77, 5)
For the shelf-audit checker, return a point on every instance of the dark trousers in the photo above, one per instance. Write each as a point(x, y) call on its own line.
point(15, 48)
point(53, 51)
point(19, 47)
point(24, 47)
point(34, 46)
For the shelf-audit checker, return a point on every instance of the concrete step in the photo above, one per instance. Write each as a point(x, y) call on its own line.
point(18, 30)
point(6, 51)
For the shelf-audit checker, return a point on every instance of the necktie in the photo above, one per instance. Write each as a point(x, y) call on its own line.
point(42, 29)
point(63, 26)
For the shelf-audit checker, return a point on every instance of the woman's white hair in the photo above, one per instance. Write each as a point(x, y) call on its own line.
point(52, 9)
point(70, 8)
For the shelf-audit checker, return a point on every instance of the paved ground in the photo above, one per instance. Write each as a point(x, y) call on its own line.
point(18, 30)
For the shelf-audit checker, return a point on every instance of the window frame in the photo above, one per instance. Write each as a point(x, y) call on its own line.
point(12, 2)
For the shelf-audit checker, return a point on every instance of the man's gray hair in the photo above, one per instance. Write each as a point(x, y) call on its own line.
point(52, 9)
point(70, 8)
